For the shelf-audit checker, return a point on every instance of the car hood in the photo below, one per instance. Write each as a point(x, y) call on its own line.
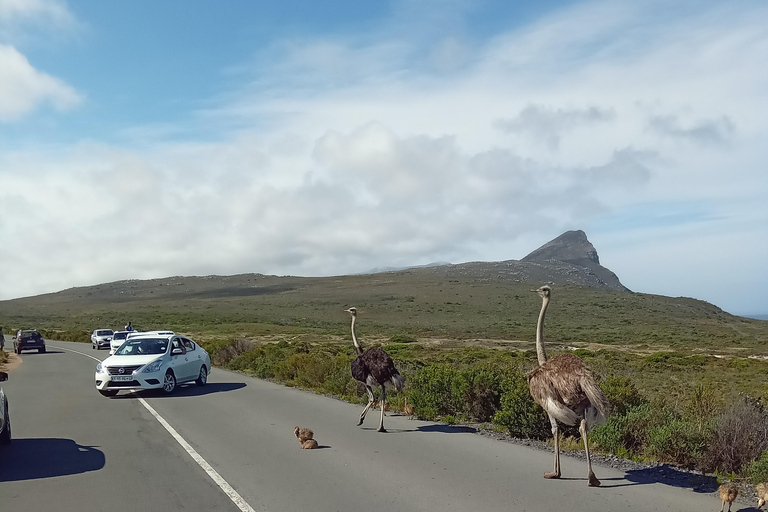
point(130, 360)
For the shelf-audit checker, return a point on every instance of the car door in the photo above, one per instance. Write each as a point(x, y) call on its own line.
point(194, 357)
point(179, 362)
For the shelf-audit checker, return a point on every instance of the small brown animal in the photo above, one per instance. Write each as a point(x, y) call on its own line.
point(728, 492)
point(303, 434)
point(377, 404)
point(309, 444)
point(762, 494)
point(408, 409)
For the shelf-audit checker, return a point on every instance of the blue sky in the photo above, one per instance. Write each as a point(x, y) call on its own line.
point(330, 138)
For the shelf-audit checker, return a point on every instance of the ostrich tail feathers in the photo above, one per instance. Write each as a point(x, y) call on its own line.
point(600, 407)
point(397, 381)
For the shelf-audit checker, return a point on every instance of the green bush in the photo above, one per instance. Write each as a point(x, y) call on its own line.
point(480, 390)
point(518, 413)
point(758, 469)
point(402, 338)
point(622, 394)
point(432, 391)
point(679, 442)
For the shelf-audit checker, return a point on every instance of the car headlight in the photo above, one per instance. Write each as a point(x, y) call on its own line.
point(153, 366)
point(101, 369)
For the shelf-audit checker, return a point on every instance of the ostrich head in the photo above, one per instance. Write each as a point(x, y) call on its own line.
point(352, 311)
point(545, 291)
point(296, 431)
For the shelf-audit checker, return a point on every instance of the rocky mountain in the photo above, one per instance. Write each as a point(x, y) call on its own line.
point(568, 259)
point(574, 249)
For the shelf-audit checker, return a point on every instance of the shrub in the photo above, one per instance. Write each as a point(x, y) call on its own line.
point(432, 391)
point(740, 435)
point(518, 413)
point(758, 469)
point(222, 354)
point(622, 393)
point(679, 442)
point(402, 338)
point(702, 405)
point(480, 390)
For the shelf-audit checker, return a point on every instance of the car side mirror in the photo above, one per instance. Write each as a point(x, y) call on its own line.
point(176, 351)
point(3, 376)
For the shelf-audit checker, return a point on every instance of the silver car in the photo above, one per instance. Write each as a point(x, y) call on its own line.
point(101, 338)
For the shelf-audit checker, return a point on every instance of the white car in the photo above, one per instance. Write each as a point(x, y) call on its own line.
point(153, 361)
point(118, 338)
point(101, 338)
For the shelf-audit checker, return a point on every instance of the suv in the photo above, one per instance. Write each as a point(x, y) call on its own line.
point(5, 420)
point(153, 361)
point(26, 340)
point(118, 339)
point(101, 338)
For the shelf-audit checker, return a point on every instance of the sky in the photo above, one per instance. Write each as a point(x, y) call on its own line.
point(150, 139)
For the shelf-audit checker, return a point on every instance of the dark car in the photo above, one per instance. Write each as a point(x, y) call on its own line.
point(26, 340)
point(5, 420)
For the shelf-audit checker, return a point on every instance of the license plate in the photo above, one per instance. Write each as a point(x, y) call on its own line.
point(122, 378)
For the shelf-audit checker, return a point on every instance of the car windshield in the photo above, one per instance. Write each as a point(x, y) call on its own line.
point(144, 346)
point(120, 335)
point(106, 332)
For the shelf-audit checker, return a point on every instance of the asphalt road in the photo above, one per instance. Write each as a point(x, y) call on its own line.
point(74, 450)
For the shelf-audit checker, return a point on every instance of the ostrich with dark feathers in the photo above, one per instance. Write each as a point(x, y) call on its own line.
point(374, 367)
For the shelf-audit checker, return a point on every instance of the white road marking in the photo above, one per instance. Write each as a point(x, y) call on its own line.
point(215, 476)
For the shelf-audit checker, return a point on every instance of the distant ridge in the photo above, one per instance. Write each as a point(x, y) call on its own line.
point(379, 270)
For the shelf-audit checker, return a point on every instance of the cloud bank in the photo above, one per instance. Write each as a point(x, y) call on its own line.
point(337, 155)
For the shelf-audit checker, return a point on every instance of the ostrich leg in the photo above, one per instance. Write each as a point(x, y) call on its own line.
point(370, 403)
point(593, 481)
point(383, 401)
point(556, 433)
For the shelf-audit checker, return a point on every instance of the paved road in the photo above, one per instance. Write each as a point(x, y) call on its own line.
point(75, 450)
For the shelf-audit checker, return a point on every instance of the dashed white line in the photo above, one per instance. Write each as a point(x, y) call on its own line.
point(212, 473)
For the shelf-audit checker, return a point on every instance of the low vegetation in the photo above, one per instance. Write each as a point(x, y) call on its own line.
point(688, 381)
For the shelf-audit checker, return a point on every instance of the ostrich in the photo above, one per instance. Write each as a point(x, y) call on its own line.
point(374, 367)
point(306, 438)
point(728, 492)
point(567, 391)
point(762, 494)
point(408, 409)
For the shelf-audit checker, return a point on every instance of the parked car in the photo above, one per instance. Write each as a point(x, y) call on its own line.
point(153, 361)
point(5, 419)
point(101, 338)
point(28, 339)
point(118, 338)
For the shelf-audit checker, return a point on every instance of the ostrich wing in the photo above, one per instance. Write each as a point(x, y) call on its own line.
point(565, 388)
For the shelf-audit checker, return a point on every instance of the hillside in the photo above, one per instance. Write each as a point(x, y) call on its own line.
point(487, 303)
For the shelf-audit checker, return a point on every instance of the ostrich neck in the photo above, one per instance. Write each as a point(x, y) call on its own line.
point(540, 353)
point(354, 338)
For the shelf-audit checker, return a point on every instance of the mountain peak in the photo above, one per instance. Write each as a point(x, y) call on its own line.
point(570, 247)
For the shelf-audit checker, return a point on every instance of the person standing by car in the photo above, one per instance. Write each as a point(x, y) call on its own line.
point(128, 327)
point(2, 338)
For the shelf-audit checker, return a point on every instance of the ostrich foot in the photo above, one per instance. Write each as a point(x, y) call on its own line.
point(359, 423)
point(381, 429)
point(593, 481)
point(552, 476)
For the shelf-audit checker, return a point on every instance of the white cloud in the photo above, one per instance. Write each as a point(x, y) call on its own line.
point(23, 88)
point(357, 154)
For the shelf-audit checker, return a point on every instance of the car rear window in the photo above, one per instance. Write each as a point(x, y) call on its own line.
point(105, 332)
point(120, 335)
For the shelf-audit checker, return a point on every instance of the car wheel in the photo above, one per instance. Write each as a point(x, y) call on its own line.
point(169, 382)
point(203, 377)
point(41, 350)
point(5, 437)
point(108, 392)
point(93, 346)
